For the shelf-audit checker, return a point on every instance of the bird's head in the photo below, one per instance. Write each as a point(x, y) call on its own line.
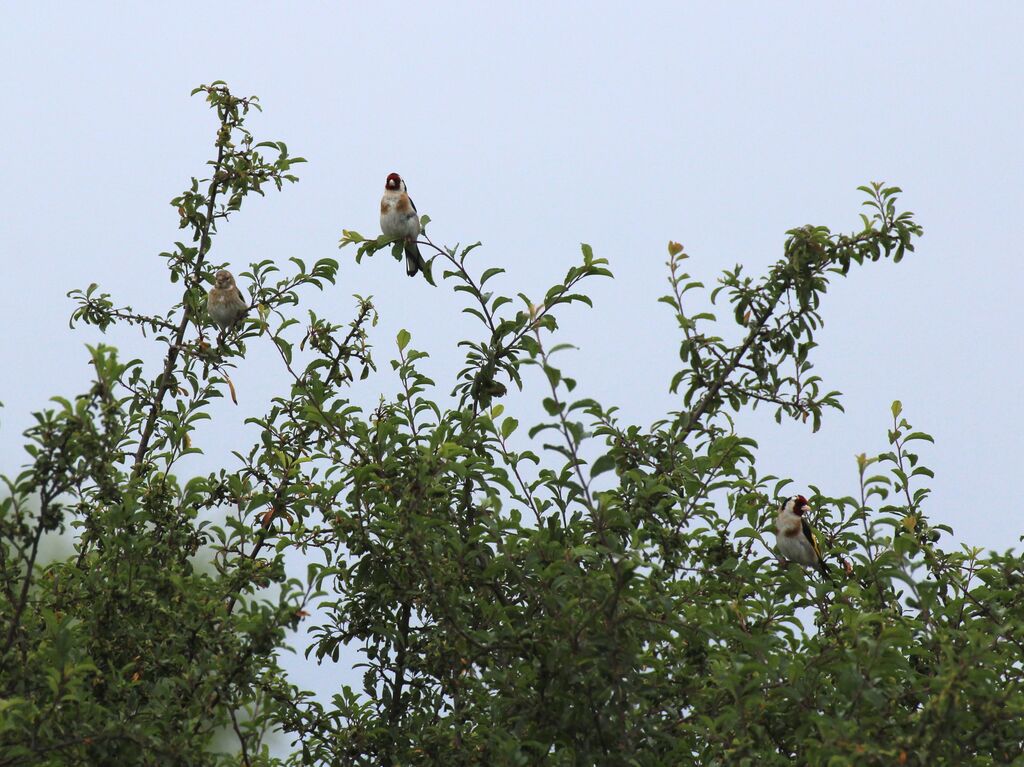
point(394, 182)
point(797, 504)
point(224, 279)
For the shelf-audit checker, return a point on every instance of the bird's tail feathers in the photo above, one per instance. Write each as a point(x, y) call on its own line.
point(824, 568)
point(413, 260)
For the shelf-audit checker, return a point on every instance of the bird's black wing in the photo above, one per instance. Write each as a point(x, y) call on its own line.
point(809, 534)
point(413, 204)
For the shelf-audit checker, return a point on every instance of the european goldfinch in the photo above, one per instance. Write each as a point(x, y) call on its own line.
point(794, 536)
point(225, 303)
point(398, 218)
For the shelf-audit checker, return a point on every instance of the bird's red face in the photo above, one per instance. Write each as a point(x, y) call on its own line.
point(394, 182)
point(800, 504)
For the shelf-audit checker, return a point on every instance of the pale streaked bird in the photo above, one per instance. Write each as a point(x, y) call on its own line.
point(225, 303)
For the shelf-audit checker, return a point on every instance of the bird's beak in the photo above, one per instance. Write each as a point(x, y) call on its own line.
point(805, 508)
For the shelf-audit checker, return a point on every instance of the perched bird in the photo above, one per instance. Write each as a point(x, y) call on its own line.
point(398, 218)
point(796, 539)
point(225, 303)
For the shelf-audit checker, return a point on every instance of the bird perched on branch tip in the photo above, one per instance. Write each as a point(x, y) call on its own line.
point(398, 218)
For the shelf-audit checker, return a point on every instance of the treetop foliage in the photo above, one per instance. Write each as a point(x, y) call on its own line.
point(580, 591)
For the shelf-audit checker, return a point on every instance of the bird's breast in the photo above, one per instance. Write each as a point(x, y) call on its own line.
point(788, 527)
point(395, 221)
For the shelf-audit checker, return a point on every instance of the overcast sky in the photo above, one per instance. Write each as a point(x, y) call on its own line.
point(534, 127)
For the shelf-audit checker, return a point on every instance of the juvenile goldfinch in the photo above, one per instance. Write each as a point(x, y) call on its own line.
point(225, 303)
point(795, 538)
point(398, 218)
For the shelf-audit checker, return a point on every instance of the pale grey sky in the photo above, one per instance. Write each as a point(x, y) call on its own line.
point(532, 127)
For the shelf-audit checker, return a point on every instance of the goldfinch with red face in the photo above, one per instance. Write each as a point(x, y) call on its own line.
point(795, 538)
point(398, 218)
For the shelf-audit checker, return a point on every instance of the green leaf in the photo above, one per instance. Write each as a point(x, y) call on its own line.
point(919, 435)
point(552, 406)
point(603, 463)
point(494, 270)
point(403, 339)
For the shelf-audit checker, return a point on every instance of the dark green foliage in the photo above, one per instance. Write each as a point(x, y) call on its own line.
point(579, 592)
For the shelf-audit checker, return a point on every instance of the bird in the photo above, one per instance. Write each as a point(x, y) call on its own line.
point(795, 538)
point(398, 218)
point(225, 303)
